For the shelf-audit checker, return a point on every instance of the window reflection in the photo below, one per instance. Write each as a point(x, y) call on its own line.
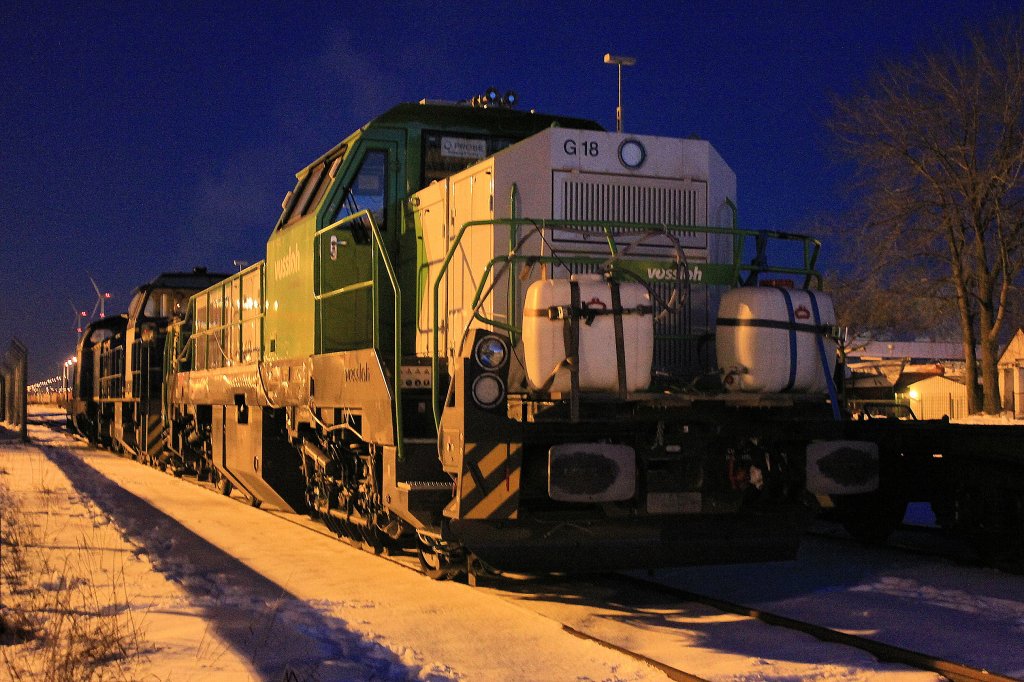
point(368, 189)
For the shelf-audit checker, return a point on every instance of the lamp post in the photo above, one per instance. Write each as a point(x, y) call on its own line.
point(620, 61)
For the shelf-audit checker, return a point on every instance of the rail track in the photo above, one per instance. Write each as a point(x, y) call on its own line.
point(926, 542)
point(957, 672)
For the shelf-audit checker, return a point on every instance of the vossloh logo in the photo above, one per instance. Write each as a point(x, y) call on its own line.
point(668, 274)
point(288, 265)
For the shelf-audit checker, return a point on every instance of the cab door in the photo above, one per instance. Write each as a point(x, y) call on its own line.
point(351, 287)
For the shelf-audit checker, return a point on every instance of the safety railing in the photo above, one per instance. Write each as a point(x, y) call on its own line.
point(378, 255)
point(618, 257)
point(227, 321)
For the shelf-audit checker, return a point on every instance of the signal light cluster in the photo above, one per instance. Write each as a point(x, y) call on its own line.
point(491, 355)
point(491, 98)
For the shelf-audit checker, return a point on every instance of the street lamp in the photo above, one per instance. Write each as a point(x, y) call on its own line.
point(620, 61)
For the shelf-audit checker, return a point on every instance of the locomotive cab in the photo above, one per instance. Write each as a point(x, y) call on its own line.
point(84, 403)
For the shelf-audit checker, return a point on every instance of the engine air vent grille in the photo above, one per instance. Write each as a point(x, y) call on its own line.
point(632, 200)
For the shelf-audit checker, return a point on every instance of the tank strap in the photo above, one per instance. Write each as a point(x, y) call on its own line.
point(572, 352)
point(775, 324)
point(571, 342)
point(588, 313)
point(792, 339)
point(620, 341)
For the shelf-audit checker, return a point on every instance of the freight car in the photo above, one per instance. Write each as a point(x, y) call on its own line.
point(517, 340)
point(972, 476)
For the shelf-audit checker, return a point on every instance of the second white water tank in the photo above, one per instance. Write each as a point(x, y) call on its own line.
point(772, 340)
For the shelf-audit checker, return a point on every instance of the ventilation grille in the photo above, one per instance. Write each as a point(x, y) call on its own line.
point(658, 202)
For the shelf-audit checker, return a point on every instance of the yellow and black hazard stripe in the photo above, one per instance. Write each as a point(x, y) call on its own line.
point(153, 437)
point(488, 486)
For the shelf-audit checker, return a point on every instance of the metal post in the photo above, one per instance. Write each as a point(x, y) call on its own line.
point(620, 61)
point(14, 395)
point(23, 390)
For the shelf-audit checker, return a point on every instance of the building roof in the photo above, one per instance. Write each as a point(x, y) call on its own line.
point(916, 351)
point(1014, 352)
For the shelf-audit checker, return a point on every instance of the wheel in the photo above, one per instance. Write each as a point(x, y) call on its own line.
point(436, 563)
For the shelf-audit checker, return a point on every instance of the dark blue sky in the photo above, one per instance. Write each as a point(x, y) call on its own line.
point(144, 137)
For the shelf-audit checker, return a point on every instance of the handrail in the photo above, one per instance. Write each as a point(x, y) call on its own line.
point(382, 253)
point(811, 248)
point(211, 330)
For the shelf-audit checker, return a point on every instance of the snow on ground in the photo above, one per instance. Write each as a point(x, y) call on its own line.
point(959, 613)
point(229, 592)
point(1001, 419)
point(78, 545)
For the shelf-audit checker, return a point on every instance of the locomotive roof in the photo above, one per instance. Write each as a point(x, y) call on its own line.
point(464, 118)
point(492, 119)
point(199, 278)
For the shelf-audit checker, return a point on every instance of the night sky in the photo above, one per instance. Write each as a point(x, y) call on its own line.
point(143, 137)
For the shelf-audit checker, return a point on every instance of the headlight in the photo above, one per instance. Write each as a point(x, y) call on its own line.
point(491, 353)
point(488, 390)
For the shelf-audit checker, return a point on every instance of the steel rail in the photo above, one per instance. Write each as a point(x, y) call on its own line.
point(670, 672)
point(889, 653)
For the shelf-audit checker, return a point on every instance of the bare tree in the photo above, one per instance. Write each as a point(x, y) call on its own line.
point(939, 148)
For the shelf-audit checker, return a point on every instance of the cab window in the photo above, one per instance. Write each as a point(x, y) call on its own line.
point(313, 179)
point(368, 190)
point(165, 303)
point(290, 202)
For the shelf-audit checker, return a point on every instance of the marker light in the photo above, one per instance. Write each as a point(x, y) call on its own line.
point(488, 390)
point(491, 352)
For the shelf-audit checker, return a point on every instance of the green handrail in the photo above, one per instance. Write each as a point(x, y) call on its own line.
point(811, 248)
point(380, 252)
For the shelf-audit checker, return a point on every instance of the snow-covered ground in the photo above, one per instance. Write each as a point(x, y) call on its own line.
point(224, 591)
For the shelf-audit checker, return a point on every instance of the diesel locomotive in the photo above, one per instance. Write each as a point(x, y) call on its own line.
point(517, 340)
point(117, 378)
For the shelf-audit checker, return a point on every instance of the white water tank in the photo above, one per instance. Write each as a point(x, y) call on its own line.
point(771, 340)
point(544, 334)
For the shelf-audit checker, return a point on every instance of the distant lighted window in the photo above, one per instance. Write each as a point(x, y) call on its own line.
point(165, 303)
